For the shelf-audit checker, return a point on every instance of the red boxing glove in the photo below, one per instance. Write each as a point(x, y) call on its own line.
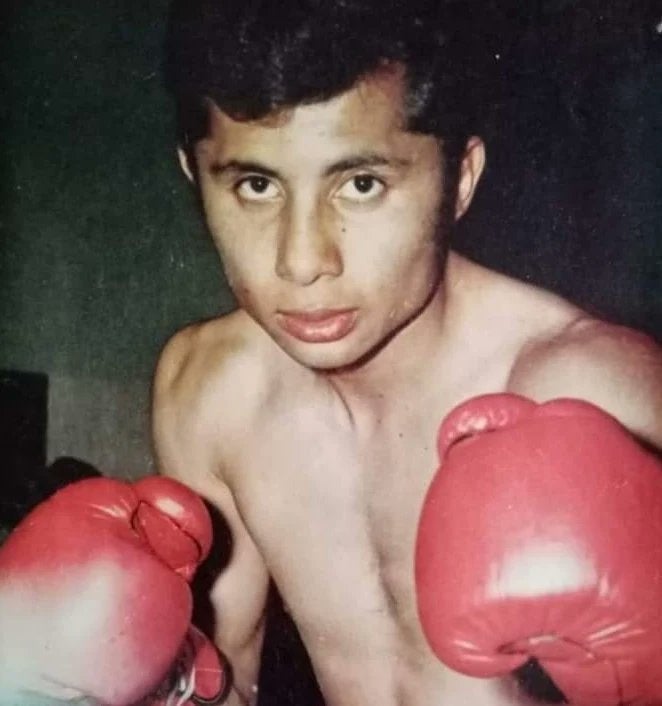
point(94, 594)
point(541, 537)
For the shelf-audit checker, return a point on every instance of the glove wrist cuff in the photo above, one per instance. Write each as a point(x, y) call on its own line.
point(201, 676)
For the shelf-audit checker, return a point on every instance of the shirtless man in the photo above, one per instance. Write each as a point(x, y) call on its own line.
point(308, 416)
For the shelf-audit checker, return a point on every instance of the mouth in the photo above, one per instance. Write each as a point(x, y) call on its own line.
point(318, 325)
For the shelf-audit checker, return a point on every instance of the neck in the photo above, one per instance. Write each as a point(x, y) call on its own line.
point(395, 369)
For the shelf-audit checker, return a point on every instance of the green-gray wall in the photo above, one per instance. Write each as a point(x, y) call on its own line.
point(104, 255)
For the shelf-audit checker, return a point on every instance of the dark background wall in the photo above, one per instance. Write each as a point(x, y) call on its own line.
point(572, 198)
point(103, 255)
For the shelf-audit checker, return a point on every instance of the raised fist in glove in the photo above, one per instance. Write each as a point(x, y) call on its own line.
point(94, 592)
point(541, 537)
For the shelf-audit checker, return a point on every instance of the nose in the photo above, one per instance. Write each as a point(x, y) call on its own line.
point(307, 248)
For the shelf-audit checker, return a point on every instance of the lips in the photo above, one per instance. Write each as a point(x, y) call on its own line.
point(319, 325)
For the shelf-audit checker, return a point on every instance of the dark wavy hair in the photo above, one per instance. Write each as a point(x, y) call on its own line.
point(251, 57)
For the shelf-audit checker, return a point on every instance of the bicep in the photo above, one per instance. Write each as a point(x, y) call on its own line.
point(232, 585)
point(236, 587)
point(236, 580)
point(239, 592)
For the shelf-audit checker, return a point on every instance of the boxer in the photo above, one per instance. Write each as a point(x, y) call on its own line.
point(332, 146)
point(95, 604)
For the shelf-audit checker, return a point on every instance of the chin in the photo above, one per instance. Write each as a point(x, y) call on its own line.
point(322, 357)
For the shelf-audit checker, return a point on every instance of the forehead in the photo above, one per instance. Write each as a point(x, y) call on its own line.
point(369, 116)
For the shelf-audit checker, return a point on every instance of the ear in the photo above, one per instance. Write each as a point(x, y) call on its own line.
point(471, 169)
point(184, 164)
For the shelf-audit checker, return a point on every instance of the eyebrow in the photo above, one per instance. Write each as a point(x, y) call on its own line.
point(367, 159)
point(238, 165)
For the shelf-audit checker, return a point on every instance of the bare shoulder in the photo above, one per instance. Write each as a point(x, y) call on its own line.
point(615, 367)
point(211, 381)
point(558, 350)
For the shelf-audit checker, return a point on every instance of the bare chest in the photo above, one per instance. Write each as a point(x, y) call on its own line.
point(336, 522)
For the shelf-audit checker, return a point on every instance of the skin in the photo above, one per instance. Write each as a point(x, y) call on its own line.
point(318, 454)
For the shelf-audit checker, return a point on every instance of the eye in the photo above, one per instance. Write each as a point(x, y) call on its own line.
point(362, 187)
point(257, 188)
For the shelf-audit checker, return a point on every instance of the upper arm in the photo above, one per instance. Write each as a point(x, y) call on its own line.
point(238, 592)
point(615, 368)
point(188, 444)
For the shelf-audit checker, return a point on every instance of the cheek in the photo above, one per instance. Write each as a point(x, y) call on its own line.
point(244, 274)
point(249, 273)
point(399, 251)
point(244, 249)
